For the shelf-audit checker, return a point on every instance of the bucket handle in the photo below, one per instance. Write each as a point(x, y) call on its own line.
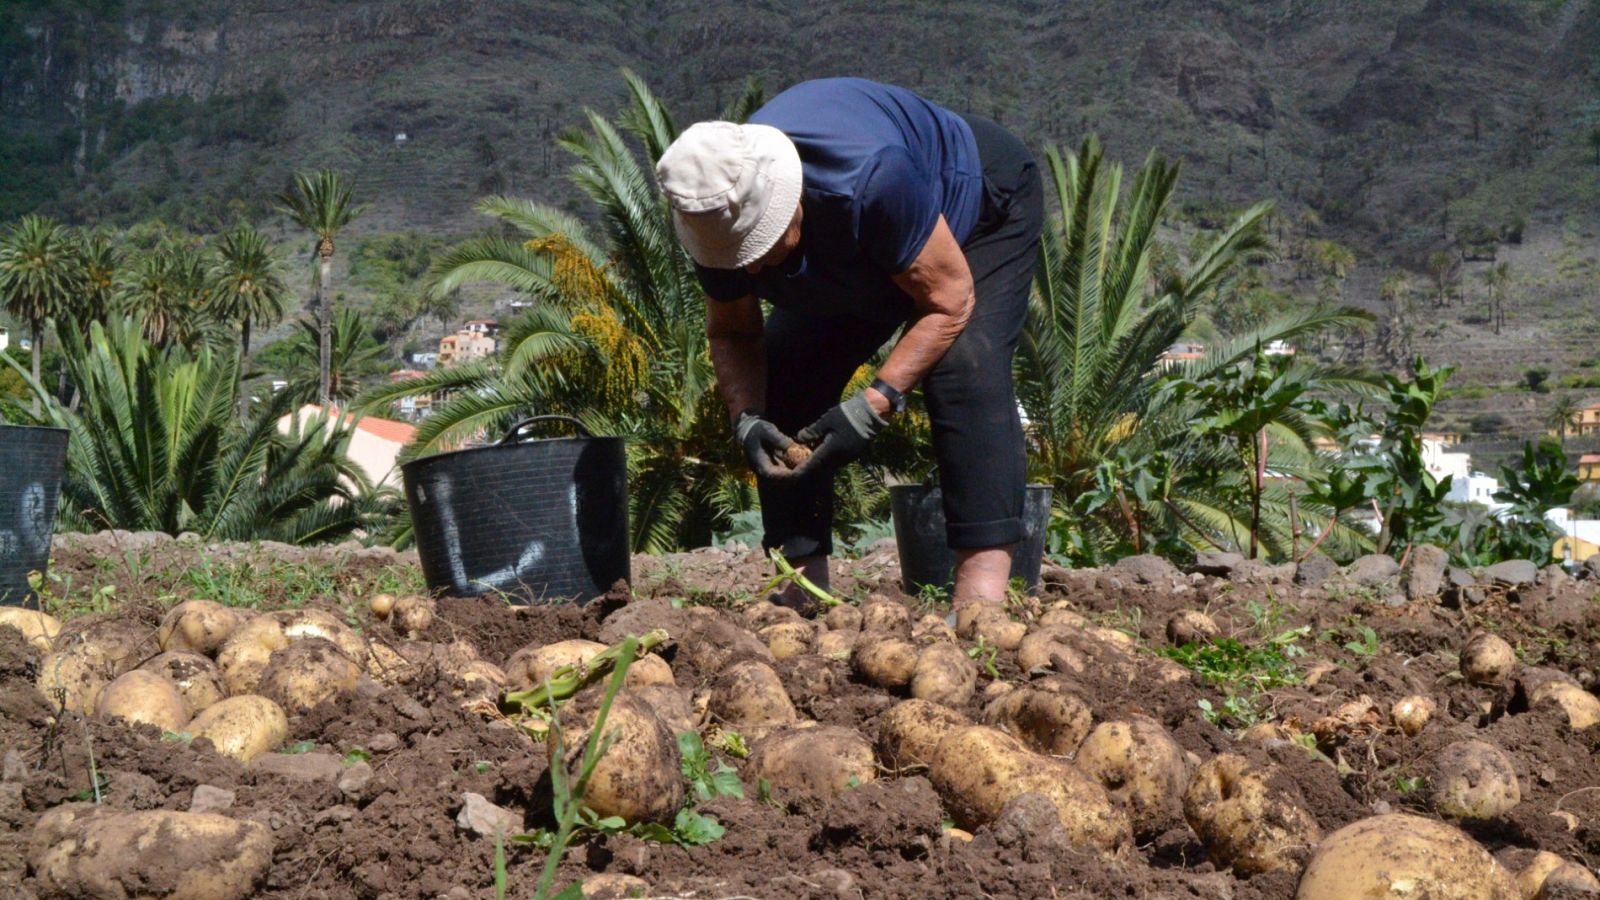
point(514, 434)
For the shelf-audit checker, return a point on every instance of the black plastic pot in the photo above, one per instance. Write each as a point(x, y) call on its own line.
point(919, 532)
point(31, 460)
point(534, 520)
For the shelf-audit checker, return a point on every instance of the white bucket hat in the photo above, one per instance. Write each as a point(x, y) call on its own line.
point(733, 189)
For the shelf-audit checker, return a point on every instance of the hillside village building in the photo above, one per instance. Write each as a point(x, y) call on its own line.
point(1587, 419)
point(374, 447)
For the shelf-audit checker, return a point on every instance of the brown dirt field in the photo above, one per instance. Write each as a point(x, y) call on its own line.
point(394, 834)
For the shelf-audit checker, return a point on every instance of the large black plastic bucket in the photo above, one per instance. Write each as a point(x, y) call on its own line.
point(529, 519)
point(919, 532)
point(31, 460)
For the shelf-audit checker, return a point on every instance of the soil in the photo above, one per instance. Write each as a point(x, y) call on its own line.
point(342, 831)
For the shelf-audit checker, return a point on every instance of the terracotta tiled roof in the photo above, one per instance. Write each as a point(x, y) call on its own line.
point(1589, 459)
point(387, 429)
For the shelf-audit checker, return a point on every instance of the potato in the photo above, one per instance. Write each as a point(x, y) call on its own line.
point(310, 623)
point(1141, 767)
point(81, 850)
point(1474, 780)
point(144, 698)
point(1191, 626)
point(122, 642)
point(1243, 822)
point(1063, 614)
point(243, 727)
point(75, 675)
point(529, 667)
point(1567, 881)
point(381, 605)
point(37, 628)
point(615, 885)
point(195, 676)
point(757, 616)
point(306, 673)
point(931, 629)
point(787, 639)
point(886, 617)
point(994, 625)
point(1399, 855)
point(387, 664)
point(1582, 708)
point(911, 729)
point(944, 674)
point(1047, 721)
point(835, 644)
point(1487, 659)
point(976, 770)
point(816, 762)
point(884, 660)
point(640, 778)
point(198, 626)
point(412, 615)
point(244, 655)
point(480, 680)
point(967, 615)
point(750, 697)
point(843, 617)
point(1044, 645)
point(1411, 713)
point(672, 704)
point(1532, 876)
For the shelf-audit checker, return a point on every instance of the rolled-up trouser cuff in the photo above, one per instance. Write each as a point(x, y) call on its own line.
point(975, 535)
point(798, 546)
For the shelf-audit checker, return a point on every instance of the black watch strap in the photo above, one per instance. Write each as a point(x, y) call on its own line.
point(897, 400)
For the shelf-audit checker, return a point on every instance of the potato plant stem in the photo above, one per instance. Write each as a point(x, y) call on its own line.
point(568, 680)
point(788, 572)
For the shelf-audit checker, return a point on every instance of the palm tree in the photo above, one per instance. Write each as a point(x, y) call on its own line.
point(101, 262)
point(246, 287)
point(166, 291)
point(1090, 362)
point(1563, 415)
point(1495, 280)
point(155, 445)
point(321, 204)
point(41, 273)
point(617, 337)
point(353, 353)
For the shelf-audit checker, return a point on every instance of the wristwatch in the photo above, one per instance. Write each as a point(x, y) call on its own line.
point(897, 400)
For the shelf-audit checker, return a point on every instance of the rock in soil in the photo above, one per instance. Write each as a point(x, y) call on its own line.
point(485, 819)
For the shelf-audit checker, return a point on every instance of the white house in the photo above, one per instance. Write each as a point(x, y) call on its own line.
point(375, 446)
point(1440, 463)
point(1476, 488)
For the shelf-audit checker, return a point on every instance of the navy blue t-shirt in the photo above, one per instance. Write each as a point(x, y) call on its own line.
point(881, 165)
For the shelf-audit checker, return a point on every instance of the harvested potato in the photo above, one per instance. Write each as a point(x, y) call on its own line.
point(122, 642)
point(195, 676)
point(387, 664)
point(1048, 721)
point(198, 626)
point(994, 625)
point(1140, 766)
point(1063, 614)
point(1191, 626)
point(412, 615)
point(760, 615)
point(530, 666)
point(318, 623)
point(885, 660)
point(1243, 822)
point(480, 680)
point(1474, 780)
point(1044, 646)
point(144, 698)
point(306, 673)
point(750, 697)
point(814, 762)
point(381, 605)
point(843, 617)
point(1582, 708)
point(672, 704)
point(640, 777)
point(835, 644)
point(911, 729)
point(976, 770)
point(787, 639)
point(75, 675)
point(616, 886)
point(37, 628)
point(967, 616)
point(1567, 881)
point(886, 617)
point(244, 655)
point(83, 850)
point(243, 727)
point(1532, 876)
point(944, 674)
point(1410, 714)
point(1487, 659)
point(1399, 855)
point(931, 629)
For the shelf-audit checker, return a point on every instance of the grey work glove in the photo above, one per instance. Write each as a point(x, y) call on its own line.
point(840, 435)
point(763, 443)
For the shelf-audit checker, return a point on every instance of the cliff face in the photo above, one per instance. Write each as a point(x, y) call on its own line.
point(1348, 106)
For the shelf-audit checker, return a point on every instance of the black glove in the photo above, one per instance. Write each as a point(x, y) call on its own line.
point(762, 443)
point(840, 435)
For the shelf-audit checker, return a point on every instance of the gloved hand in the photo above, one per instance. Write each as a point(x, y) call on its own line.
point(840, 435)
point(762, 443)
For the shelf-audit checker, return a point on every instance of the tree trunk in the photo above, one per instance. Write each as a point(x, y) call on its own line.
point(244, 365)
point(38, 347)
point(324, 333)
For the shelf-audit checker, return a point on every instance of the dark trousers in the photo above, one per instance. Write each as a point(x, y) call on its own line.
point(972, 405)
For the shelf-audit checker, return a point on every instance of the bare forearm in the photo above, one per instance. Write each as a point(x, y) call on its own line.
point(741, 365)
